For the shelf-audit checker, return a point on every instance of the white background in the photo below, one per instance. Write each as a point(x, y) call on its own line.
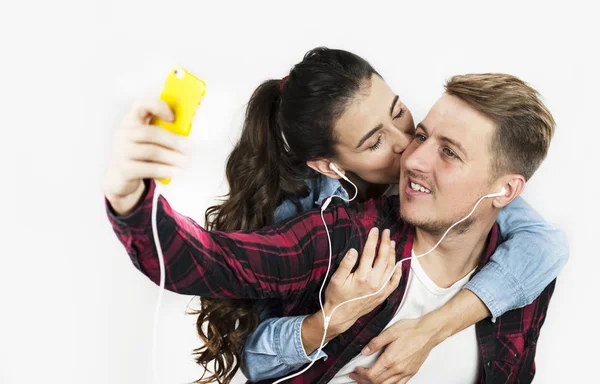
point(73, 307)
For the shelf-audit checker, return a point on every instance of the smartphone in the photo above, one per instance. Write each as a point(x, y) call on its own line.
point(183, 92)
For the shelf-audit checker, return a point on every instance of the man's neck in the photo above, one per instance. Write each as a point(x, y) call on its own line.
point(457, 254)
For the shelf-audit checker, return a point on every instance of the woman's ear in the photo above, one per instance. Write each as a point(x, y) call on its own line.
point(514, 185)
point(322, 166)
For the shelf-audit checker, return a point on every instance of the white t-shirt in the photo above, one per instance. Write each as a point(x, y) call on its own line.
point(455, 360)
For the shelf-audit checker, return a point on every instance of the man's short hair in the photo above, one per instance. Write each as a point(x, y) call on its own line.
point(524, 126)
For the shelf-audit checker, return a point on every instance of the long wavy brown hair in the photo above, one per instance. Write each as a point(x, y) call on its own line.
point(287, 123)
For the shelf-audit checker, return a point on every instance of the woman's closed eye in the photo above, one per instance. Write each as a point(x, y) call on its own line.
point(400, 114)
point(376, 145)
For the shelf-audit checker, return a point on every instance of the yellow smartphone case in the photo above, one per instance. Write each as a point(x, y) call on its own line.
point(183, 92)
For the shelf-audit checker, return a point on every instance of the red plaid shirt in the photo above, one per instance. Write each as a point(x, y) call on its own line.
point(289, 263)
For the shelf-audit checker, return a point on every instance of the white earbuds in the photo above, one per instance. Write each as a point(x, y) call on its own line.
point(327, 318)
point(334, 169)
point(501, 193)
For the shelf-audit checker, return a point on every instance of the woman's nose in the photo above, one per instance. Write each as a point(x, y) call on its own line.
point(401, 141)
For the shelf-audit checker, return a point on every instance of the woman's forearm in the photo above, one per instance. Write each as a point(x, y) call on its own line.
point(313, 328)
point(464, 310)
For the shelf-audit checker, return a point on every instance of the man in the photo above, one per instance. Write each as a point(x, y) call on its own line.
point(485, 133)
point(488, 132)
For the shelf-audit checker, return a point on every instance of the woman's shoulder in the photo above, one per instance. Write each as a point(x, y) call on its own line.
point(320, 188)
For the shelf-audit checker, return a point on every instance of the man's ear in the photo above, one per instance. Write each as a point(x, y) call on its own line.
point(514, 185)
point(322, 166)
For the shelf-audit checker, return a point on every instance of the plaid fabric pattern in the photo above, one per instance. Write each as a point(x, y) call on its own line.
point(289, 262)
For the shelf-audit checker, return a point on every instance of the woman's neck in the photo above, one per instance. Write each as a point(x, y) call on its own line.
point(366, 190)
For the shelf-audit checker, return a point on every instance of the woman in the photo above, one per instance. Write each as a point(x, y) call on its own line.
point(333, 107)
point(274, 176)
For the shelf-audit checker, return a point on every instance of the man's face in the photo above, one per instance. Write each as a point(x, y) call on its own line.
point(446, 168)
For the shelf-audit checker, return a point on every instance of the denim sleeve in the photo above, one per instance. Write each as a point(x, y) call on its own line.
point(531, 256)
point(275, 349)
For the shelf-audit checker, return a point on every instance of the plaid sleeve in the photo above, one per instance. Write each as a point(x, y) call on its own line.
point(276, 261)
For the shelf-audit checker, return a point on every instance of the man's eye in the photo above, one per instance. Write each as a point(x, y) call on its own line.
point(450, 153)
point(420, 138)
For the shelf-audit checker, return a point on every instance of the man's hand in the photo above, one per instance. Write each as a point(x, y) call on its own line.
point(410, 341)
point(141, 151)
point(408, 345)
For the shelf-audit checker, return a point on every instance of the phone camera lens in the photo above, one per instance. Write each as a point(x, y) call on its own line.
point(178, 73)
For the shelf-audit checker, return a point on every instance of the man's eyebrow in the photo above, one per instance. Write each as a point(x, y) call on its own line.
point(444, 138)
point(369, 134)
point(420, 125)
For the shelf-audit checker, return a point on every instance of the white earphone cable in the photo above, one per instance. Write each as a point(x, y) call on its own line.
point(161, 262)
point(326, 318)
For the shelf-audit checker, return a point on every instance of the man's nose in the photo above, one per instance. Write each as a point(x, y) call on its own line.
point(421, 158)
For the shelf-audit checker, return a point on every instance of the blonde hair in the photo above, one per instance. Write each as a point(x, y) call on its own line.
point(524, 126)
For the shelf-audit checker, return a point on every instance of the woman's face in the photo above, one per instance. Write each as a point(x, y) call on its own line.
point(372, 134)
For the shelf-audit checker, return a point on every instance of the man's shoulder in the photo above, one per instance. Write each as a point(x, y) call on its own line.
point(493, 241)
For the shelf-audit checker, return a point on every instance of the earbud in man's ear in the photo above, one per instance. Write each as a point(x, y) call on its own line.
point(497, 194)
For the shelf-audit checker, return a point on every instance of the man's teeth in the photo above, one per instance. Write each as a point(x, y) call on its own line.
point(419, 187)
